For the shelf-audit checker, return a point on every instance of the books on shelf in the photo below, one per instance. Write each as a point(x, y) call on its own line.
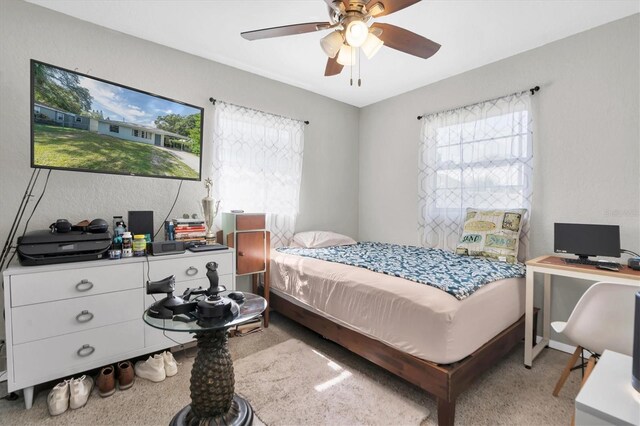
point(186, 230)
point(181, 228)
point(188, 221)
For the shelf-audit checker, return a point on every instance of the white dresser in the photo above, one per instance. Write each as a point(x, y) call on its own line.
point(64, 319)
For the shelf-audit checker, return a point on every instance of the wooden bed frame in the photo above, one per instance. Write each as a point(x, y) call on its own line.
point(445, 382)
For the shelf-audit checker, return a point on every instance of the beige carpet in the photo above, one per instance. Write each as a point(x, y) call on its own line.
point(508, 394)
point(294, 384)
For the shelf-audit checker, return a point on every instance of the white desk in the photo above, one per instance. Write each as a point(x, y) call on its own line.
point(607, 398)
point(554, 265)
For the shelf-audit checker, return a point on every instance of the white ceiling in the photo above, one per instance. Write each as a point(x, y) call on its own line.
point(472, 33)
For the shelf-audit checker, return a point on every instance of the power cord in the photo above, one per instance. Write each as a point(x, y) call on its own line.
point(28, 193)
point(44, 189)
point(632, 253)
point(8, 246)
point(170, 210)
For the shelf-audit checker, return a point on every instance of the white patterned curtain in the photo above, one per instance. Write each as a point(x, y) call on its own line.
point(476, 156)
point(257, 166)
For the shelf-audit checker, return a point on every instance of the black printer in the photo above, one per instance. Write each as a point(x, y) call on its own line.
point(45, 247)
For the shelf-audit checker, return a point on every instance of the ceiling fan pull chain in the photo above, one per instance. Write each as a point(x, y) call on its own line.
point(351, 69)
point(359, 81)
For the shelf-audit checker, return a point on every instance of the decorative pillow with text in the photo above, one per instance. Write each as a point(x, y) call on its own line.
point(492, 233)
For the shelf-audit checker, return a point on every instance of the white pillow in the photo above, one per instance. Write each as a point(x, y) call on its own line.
point(318, 239)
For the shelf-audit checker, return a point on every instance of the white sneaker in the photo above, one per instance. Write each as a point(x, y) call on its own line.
point(58, 398)
point(151, 369)
point(79, 390)
point(170, 364)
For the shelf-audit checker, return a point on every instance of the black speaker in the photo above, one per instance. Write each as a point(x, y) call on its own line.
point(141, 222)
point(636, 346)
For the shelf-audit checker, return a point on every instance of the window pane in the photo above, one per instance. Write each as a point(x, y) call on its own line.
point(503, 148)
point(449, 178)
point(448, 155)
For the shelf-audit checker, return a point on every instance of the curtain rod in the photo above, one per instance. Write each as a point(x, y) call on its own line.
point(213, 101)
point(533, 90)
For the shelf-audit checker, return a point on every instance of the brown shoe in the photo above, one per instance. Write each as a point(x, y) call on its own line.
point(126, 375)
point(106, 382)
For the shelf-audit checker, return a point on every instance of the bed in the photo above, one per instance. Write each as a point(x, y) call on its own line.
point(416, 331)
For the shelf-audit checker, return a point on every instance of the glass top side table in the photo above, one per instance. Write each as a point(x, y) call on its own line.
point(213, 400)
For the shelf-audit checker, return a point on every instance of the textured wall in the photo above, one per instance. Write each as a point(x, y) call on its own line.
point(329, 197)
point(330, 160)
point(586, 145)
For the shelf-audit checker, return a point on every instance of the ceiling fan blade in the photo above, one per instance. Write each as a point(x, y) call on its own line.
point(333, 67)
point(406, 41)
point(285, 30)
point(390, 6)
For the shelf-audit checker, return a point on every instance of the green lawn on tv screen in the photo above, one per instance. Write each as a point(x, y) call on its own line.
point(81, 149)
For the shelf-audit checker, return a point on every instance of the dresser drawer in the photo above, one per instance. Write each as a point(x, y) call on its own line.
point(44, 320)
point(59, 356)
point(41, 287)
point(190, 268)
point(250, 222)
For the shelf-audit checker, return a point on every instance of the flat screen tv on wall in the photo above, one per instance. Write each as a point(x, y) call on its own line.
point(83, 123)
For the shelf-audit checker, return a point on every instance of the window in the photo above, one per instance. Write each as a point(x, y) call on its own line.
point(257, 166)
point(114, 129)
point(477, 156)
point(78, 119)
point(141, 134)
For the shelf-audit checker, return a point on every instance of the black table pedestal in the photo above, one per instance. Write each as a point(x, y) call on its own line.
point(213, 401)
point(240, 414)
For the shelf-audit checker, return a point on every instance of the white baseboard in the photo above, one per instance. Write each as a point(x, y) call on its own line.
point(563, 347)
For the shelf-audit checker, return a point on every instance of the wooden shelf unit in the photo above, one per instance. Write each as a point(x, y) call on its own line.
point(247, 233)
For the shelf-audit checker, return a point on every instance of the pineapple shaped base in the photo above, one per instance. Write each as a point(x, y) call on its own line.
point(213, 401)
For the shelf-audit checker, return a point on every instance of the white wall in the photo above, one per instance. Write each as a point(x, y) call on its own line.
point(587, 141)
point(329, 190)
point(330, 172)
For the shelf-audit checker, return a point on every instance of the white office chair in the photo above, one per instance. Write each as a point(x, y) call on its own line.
point(602, 319)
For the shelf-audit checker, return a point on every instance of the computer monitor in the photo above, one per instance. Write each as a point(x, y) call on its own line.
point(586, 240)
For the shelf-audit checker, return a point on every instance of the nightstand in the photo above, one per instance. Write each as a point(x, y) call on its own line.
point(247, 233)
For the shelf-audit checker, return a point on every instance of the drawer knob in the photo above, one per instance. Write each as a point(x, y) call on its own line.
point(84, 316)
point(84, 285)
point(240, 253)
point(86, 350)
point(192, 271)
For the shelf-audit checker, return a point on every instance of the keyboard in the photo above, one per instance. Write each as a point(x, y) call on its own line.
point(591, 262)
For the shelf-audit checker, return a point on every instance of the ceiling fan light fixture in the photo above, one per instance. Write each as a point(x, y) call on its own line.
point(376, 9)
point(371, 45)
point(345, 55)
point(331, 43)
point(356, 33)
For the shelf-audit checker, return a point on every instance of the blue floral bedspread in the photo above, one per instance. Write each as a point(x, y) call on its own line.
point(456, 274)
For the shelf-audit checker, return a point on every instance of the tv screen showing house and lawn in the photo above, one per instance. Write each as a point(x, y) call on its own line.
point(84, 123)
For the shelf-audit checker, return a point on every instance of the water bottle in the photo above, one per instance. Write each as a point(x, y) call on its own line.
point(171, 231)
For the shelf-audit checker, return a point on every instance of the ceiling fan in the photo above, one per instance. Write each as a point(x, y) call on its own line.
point(350, 21)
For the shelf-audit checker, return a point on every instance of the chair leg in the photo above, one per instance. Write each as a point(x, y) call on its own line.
point(590, 364)
point(567, 370)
